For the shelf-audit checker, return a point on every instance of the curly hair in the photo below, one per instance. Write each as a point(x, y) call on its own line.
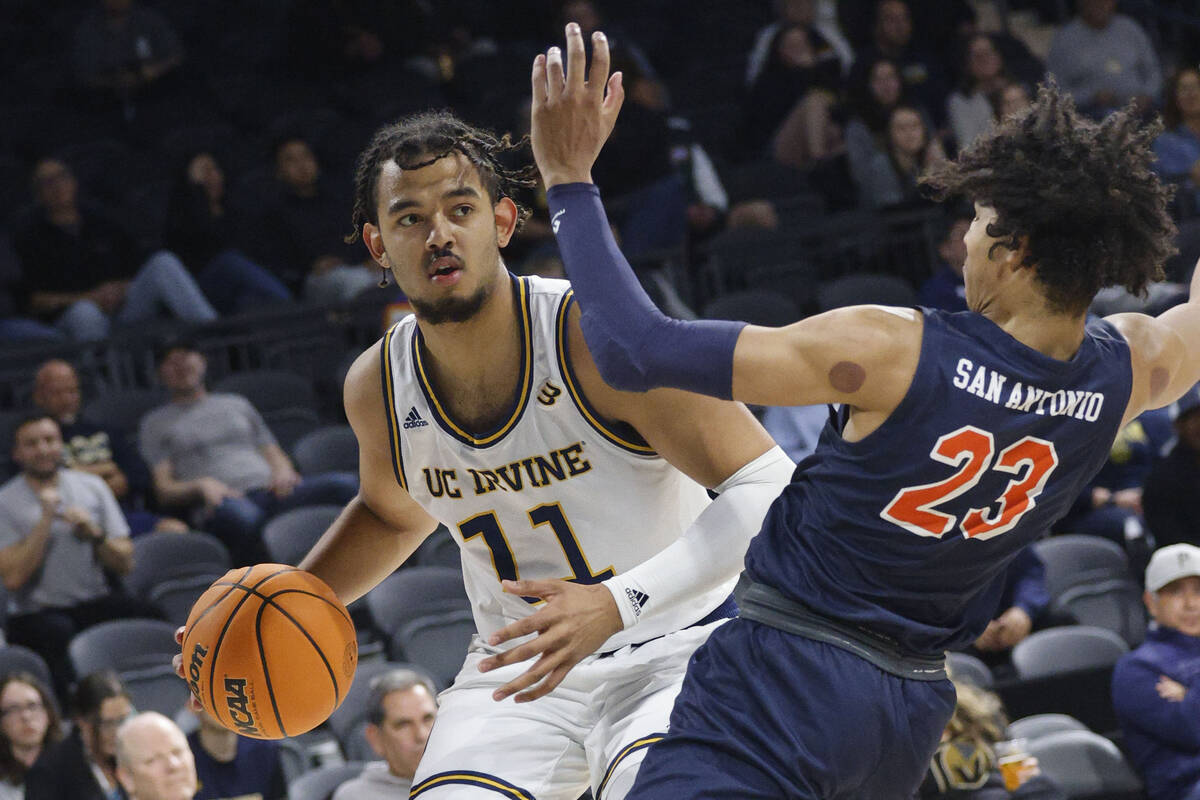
point(1080, 195)
point(420, 140)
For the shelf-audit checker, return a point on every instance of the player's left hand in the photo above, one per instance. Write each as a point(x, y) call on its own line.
point(575, 621)
point(572, 113)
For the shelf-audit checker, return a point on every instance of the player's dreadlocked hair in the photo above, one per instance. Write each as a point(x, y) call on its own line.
point(422, 139)
point(1081, 194)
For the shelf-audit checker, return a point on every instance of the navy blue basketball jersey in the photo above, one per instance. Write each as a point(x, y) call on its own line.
point(908, 531)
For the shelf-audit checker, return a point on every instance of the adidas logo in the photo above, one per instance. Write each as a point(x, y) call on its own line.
point(413, 420)
point(554, 221)
point(637, 598)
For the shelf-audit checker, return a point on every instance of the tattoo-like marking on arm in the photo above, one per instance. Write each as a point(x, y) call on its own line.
point(847, 377)
point(1160, 378)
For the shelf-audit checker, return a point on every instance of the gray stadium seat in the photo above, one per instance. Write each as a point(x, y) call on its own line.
point(289, 536)
point(320, 783)
point(176, 596)
point(140, 651)
point(439, 550)
point(269, 390)
point(122, 408)
point(1039, 725)
point(330, 448)
point(413, 592)
point(438, 643)
point(757, 306)
point(1115, 604)
point(969, 669)
point(1073, 559)
point(1085, 765)
point(158, 557)
point(1055, 651)
point(865, 287)
point(15, 658)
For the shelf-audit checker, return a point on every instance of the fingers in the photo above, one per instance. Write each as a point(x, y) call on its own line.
point(522, 627)
point(547, 665)
point(601, 59)
point(177, 663)
point(538, 81)
point(554, 74)
point(539, 589)
point(544, 688)
point(615, 95)
point(576, 58)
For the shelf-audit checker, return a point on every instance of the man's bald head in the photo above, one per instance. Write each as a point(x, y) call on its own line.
point(154, 761)
point(56, 390)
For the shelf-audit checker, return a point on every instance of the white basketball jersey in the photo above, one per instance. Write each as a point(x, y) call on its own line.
point(553, 492)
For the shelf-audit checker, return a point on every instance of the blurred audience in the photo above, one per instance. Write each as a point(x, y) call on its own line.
point(1154, 688)
point(820, 14)
point(945, 288)
point(969, 107)
point(1105, 60)
point(1178, 147)
point(62, 536)
point(205, 234)
point(889, 178)
point(232, 767)
point(28, 724)
point(1022, 604)
point(1171, 492)
point(892, 38)
point(153, 759)
point(81, 268)
point(83, 766)
point(213, 457)
point(400, 714)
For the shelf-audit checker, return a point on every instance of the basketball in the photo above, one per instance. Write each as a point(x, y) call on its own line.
point(269, 651)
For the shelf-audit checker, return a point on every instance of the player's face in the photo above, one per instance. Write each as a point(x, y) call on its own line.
point(23, 716)
point(441, 236)
point(981, 261)
point(1177, 605)
point(407, 721)
point(161, 766)
point(38, 448)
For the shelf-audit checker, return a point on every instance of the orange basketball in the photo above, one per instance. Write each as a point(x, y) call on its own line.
point(269, 651)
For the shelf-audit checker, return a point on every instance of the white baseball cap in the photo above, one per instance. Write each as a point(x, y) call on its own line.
point(1171, 563)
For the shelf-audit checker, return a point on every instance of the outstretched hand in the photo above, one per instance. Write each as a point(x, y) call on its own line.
point(575, 621)
point(177, 662)
point(573, 115)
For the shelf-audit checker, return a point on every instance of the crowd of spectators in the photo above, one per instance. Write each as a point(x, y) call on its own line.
point(175, 164)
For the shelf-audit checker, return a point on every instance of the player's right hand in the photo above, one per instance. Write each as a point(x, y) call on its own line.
point(177, 662)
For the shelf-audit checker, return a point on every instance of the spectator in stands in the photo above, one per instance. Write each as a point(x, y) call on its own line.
point(100, 450)
point(965, 766)
point(1171, 492)
point(62, 535)
point(1178, 147)
point(126, 53)
point(201, 230)
point(81, 268)
point(231, 766)
point(28, 724)
point(875, 91)
point(890, 177)
point(83, 766)
point(1156, 688)
point(590, 18)
point(1022, 604)
point(153, 760)
point(945, 289)
point(213, 455)
point(969, 108)
point(892, 38)
point(303, 230)
point(400, 714)
point(1012, 98)
point(788, 109)
point(798, 12)
point(1105, 60)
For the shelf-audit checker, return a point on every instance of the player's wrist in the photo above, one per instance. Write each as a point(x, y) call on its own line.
point(629, 597)
point(553, 179)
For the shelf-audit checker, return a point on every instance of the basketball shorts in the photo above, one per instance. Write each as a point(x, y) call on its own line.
point(591, 731)
point(769, 714)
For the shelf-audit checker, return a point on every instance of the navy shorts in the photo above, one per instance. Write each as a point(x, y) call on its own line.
point(768, 714)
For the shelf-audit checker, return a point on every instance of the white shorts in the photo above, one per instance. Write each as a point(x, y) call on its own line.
point(591, 731)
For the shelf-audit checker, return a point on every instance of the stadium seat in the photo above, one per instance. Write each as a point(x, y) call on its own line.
point(414, 592)
point(757, 306)
point(158, 557)
point(1040, 725)
point(865, 287)
point(15, 658)
point(332, 447)
point(349, 720)
point(969, 669)
point(175, 597)
point(1072, 647)
point(1115, 604)
point(320, 783)
point(122, 408)
point(140, 652)
point(289, 536)
point(269, 390)
point(438, 643)
point(1072, 559)
point(439, 550)
point(1085, 766)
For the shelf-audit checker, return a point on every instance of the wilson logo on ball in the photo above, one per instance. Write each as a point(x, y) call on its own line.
point(197, 664)
point(239, 706)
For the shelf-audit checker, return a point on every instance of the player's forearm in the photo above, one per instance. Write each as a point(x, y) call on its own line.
point(635, 346)
point(713, 548)
point(359, 550)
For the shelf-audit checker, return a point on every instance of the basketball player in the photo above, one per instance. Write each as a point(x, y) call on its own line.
point(485, 412)
point(962, 438)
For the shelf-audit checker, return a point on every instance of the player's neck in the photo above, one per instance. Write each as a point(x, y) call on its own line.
point(488, 344)
point(1052, 334)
